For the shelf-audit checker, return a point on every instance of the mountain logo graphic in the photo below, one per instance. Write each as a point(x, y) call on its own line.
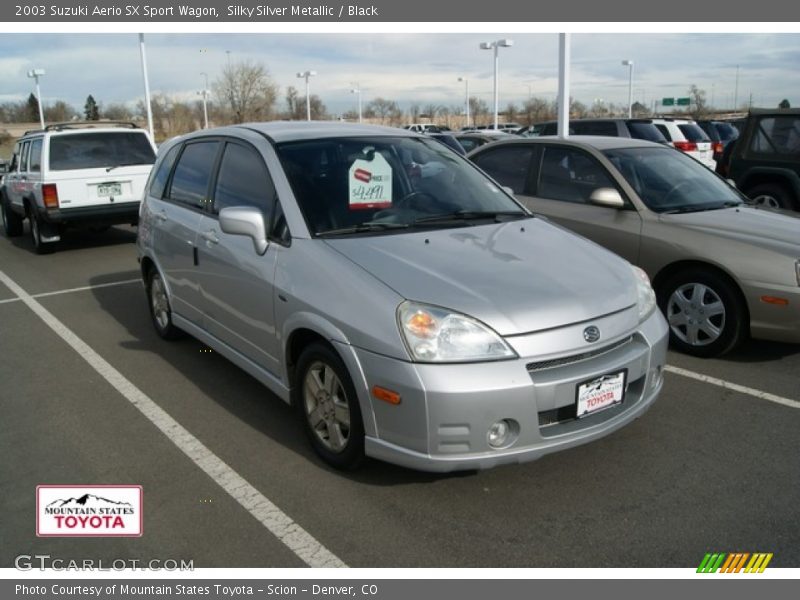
point(89, 510)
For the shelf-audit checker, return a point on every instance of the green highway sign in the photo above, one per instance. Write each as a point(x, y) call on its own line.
point(668, 102)
point(684, 101)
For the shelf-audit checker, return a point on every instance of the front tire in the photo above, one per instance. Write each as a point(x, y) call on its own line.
point(160, 310)
point(328, 407)
point(705, 313)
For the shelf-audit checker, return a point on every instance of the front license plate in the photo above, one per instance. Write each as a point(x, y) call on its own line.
point(600, 393)
point(109, 189)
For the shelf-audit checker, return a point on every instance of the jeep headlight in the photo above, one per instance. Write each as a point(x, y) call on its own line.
point(433, 334)
point(646, 297)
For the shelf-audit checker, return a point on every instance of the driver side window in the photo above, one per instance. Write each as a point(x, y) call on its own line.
point(570, 175)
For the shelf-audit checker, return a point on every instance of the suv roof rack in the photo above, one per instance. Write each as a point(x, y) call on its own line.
point(89, 124)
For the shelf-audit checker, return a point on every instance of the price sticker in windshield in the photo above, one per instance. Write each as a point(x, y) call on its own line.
point(370, 183)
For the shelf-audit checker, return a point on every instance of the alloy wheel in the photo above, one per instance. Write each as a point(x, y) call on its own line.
point(326, 406)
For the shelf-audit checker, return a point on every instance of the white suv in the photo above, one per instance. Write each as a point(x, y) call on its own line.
point(89, 174)
point(688, 136)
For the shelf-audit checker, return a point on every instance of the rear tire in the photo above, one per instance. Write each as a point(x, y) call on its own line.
point(40, 246)
point(772, 195)
point(160, 310)
point(12, 222)
point(705, 313)
point(327, 404)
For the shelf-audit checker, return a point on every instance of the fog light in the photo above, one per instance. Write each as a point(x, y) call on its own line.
point(656, 375)
point(502, 433)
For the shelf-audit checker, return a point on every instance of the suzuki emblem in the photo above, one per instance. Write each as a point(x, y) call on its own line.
point(591, 334)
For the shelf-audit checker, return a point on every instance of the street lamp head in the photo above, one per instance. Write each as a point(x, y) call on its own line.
point(306, 74)
point(505, 43)
point(487, 45)
point(462, 79)
point(35, 72)
point(627, 63)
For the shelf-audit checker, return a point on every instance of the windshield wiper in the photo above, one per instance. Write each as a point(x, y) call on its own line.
point(112, 167)
point(691, 209)
point(471, 215)
point(363, 228)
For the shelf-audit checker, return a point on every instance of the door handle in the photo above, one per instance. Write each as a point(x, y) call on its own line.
point(161, 215)
point(210, 237)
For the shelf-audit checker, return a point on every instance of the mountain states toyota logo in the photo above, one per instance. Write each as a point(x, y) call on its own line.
point(88, 511)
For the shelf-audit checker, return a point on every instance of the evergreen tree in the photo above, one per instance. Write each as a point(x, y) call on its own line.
point(90, 109)
point(32, 108)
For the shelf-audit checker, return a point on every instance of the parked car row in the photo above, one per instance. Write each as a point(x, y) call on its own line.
point(420, 307)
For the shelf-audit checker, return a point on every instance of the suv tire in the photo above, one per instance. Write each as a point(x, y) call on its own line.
point(327, 404)
point(40, 246)
point(772, 195)
point(12, 222)
point(704, 311)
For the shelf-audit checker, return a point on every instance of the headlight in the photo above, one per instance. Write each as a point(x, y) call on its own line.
point(434, 334)
point(646, 297)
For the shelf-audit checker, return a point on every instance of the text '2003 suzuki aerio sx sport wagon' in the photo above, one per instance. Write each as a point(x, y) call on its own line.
point(408, 306)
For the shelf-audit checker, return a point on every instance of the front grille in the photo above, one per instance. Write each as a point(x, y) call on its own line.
point(575, 358)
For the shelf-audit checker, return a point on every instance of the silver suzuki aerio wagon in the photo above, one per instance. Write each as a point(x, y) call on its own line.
point(407, 305)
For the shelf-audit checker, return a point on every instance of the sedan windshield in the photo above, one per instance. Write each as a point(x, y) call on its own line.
point(375, 185)
point(669, 181)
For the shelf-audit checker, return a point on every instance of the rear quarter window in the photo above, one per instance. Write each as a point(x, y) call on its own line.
point(646, 131)
point(193, 173)
point(693, 133)
point(158, 183)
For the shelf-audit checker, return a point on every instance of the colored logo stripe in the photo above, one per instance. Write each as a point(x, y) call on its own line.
point(734, 562)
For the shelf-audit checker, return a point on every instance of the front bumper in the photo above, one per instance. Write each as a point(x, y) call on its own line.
point(446, 411)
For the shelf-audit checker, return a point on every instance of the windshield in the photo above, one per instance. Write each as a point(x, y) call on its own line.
point(369, 185)
point(95, 150)
point(669, 181)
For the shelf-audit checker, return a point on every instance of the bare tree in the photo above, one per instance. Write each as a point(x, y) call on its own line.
point(535, 110)
point(59, 112)
point(117, 112)
point(479, 110)
point(245, 92)
point(413, 112)
point(383, 109)
point(698, 100)
point(430, 110)
point(511, 112)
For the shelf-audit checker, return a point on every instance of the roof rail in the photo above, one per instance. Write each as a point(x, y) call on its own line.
point(83, 124)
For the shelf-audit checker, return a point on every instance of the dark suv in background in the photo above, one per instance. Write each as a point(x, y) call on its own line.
point(721, 133)
point(640, 129)
point(765, 161)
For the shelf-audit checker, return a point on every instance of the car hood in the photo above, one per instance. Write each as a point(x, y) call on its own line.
point(516, 277)
point(746, 223)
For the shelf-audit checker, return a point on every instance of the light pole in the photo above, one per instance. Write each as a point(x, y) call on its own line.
point(305, 75)
point(35, 74)
point(466, 98)
point(357, 90)
point(496, 45)
point(149, 108)
point(629, 64)
point(204, 93)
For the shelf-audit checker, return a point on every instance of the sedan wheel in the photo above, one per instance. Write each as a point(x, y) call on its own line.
point(705, 312)
point(696, 314)
point(328, 406)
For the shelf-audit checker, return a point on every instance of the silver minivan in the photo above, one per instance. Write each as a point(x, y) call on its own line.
point(405, 303)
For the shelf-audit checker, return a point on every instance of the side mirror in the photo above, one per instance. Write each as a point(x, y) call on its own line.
point(608, 197)
point(731, 183)
point(248, 221)
point(507, 190)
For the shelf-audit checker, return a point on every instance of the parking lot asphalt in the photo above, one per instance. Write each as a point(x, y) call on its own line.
point(706, 469)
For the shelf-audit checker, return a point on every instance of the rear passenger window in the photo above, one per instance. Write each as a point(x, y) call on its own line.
point(190, 181)
point(776, 135)
point(160, 177)
point(693, 133)
point(509, 166)
point(36, 156)
point(243, 181)
point(603, 128)
point(664, 131)
point(23, 159)
point(571, 176)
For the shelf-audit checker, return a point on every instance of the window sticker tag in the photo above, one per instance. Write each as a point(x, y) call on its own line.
point(370, 183)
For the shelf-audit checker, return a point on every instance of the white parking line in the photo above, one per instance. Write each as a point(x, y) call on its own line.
point(733, 387)
point(76, 289)
point(293, 536)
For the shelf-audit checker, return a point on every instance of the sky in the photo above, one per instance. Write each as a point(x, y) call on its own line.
point(409, 68)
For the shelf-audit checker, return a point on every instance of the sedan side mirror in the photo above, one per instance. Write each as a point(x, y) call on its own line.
point(248, 221)
point(731, 183)
point(608, 197)
point(508, 190)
